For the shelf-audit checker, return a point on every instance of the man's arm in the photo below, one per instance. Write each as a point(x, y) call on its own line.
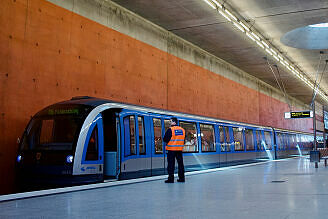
point(167, 136)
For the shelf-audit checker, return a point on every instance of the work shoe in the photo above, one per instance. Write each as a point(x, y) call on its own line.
point(169, 181)
point(181, 180)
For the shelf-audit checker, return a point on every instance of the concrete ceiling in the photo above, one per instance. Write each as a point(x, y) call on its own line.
point(199, 24)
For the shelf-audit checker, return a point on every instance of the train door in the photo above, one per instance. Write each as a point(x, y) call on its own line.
point(111, 143)
point(238, 143)
point(93, 150)
point(225, 145)
point(158, 158)
point(268, 144)
point(135, 139)
point(259, 145)
point(191, 149)
point(250, 136)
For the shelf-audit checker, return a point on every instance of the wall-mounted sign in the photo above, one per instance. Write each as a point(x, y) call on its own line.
point(326, 119)
point(298, 115)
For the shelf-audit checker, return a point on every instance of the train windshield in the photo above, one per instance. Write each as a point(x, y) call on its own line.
point(57, 130)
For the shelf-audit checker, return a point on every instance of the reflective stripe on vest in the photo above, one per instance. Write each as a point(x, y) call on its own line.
point(177, 140)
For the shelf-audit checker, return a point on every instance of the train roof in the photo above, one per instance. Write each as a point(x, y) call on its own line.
point(93, 102)
point(86, 100)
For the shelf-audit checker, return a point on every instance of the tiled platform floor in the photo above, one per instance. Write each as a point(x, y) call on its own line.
point(291, 188)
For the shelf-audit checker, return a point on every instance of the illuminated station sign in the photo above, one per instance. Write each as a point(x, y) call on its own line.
point(298, 115)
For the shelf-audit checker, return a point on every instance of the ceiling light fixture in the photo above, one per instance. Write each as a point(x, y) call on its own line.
point(265, 44)
point(268, 51)
point(280, 57)
point(210, 4)
point(244, 26)
point(224, 15)
point(217, 3)
point(239, 27)
point(260, 44)
point(250, 36)
point(274, 52)
point(231, 15)
point(256, 36)
point(319, 25)
point(276, 58)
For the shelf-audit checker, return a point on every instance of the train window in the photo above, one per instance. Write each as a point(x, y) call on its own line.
point(129, 136)
point(167, 124)
point(267, 138)
point(238, 138)
point(191, 144)
point(227, 134)
point(158, 141)
point(259, 140)
point(51, 134)
point(46, 131)
point(207, 137)
point(249, 140)
point(92, 150)
point(298, 141)
point(224, 138)
point(286, 136)
point(290, 141)
point(293, 142)
point(142, 147)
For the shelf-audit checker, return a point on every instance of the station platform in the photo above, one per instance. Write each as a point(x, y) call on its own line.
point(290, 188)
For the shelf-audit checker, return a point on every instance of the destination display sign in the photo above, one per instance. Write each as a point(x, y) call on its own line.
point(63, 111)
point(299, 115)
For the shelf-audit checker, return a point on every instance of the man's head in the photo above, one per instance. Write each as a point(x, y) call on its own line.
point(174, 121)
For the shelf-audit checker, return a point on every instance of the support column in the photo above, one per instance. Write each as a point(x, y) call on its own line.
point(324, 130)
point(314, 132)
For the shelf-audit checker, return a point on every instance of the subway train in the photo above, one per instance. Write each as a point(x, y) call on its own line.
point(87, 140)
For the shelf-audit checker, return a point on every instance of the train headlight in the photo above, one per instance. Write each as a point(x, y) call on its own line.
point(19, 158)
point(69, 159)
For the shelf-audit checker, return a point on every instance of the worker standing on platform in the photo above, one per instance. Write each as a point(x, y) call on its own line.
point(174, 138)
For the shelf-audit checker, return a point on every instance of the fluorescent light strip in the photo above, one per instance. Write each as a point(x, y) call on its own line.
point(276, 57)
point(210, 4)
point(224, 15)
point(260, 44)
point(239, 27)
point(274, 52)
point(280, 57)
point(244, 26)
point(265, 44)
point(255, 36)
point(217, 3)
point(250, 36)
point(268, 51)
point(231, 15)
point(282, 62)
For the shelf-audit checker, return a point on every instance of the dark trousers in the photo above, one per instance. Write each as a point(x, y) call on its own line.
point(171, 156)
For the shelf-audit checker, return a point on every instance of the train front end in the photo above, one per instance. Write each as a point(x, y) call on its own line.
point(46, 154)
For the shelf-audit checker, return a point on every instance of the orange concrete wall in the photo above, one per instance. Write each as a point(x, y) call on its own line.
point(49, 54)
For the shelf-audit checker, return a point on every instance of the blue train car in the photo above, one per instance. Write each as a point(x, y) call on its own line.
point(86, 140)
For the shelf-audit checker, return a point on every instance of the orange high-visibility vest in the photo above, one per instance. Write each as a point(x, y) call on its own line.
point(177, 140)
